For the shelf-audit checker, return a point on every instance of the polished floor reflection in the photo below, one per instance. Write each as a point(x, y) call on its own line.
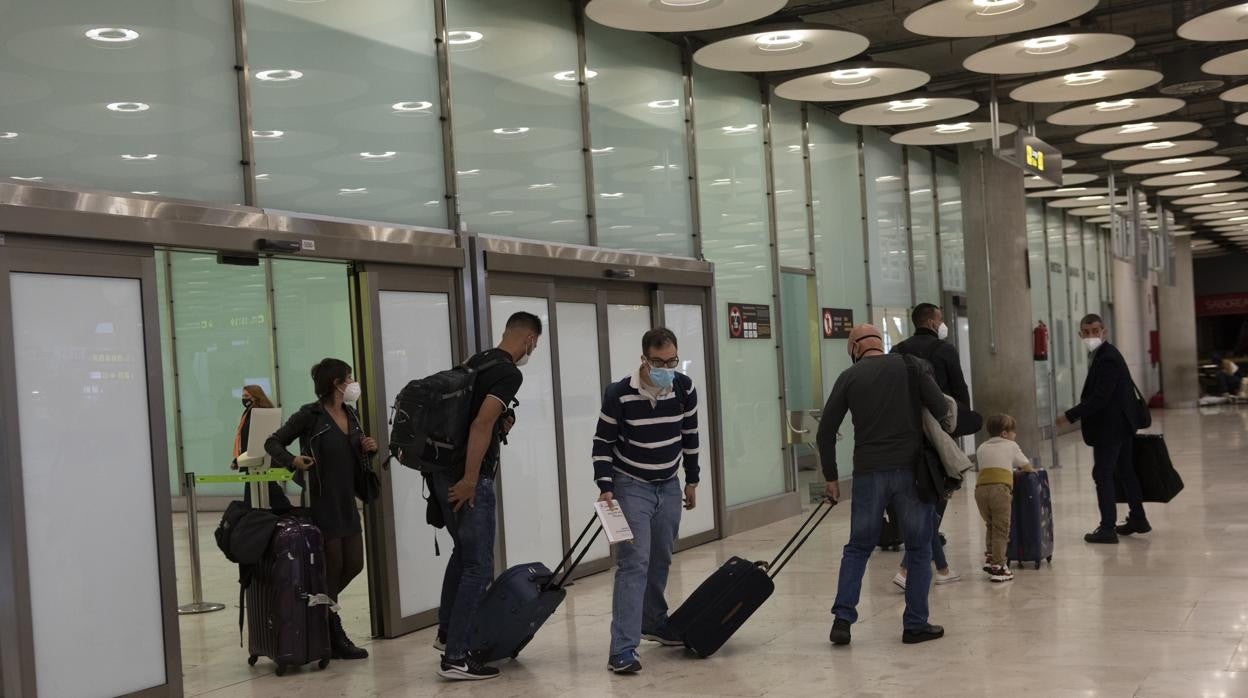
point(1160, 615)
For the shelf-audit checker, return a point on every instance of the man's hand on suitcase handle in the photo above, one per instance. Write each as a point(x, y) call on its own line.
point(833, 491)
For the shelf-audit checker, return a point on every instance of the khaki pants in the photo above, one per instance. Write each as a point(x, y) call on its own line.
point(994, 506)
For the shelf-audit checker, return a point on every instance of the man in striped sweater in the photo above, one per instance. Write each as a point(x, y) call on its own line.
point(648, 428)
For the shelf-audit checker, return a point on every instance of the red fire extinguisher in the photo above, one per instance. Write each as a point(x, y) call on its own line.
point(1040, 342)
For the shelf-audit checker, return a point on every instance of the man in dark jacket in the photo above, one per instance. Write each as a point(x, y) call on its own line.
point(929, 343)
point(1105, 409)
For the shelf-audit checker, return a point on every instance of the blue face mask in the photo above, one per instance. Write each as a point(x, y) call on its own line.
point(662, 377)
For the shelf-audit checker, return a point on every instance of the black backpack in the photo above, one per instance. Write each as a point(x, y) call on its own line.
point(430, 418)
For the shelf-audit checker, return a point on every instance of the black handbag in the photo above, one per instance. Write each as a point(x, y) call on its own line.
point(1138, 413)
point(367, 483)
point(1159, 481)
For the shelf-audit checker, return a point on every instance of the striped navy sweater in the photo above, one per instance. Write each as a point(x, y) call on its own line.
point(646, 439)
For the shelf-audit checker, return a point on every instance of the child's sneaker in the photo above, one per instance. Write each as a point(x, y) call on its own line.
point(1000, 574)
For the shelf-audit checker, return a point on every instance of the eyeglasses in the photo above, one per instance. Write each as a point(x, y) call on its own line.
point(660, 363)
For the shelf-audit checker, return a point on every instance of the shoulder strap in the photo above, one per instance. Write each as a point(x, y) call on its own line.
point(916, 399)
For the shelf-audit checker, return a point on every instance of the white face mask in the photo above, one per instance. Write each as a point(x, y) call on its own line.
point(351, 392)
point(942, 331)
point(525, 359)
point(1092, 343)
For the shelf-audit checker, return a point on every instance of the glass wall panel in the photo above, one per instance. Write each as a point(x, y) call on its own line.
point(789, 171)
point(688, 323)
point(949, 212)
point(1039, 302)
point(625, 326)
point(222, 342)
point(312, 314)
point(886, 223)
point(1078, 297)
point(637, 127)
point(517, 120)
point(839, 252)
point(1060, 329)
point(345, 109)
point(923, 227)
point(734, 223)
point(136, 96)
point(800, 344)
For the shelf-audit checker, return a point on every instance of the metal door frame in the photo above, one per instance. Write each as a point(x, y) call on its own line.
point(367, 282)
point(42, 256)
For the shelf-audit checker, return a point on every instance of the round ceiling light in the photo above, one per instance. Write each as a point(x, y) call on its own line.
point(1235, 94)
point(1192, 177)
point(769, 48)
point(909, 109)
point(1210, 199)
point(1113, 111)
point(1222, 205)
point(127, 107)
point(1155, 150)
point(1176, 164)
point(1234, 63)
point(279, 75)
point(1047, 53)
point(970, 18)
point(1086, 85)
point(671, 16)
point(111, 35)
point(1144, 131)
point(952, 133)
point(852, 81)
point(463, 37)
point(1193, 190)
point(1227, 24)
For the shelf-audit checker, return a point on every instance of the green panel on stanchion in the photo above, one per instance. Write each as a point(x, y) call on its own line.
point(270, 476)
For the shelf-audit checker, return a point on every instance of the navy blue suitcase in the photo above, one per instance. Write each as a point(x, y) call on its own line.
point(520, 601)
point(1031, 527)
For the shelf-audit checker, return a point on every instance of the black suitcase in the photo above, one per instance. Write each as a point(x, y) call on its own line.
point(520, 601)
point(722, 603)
point(1031, 527)
point(288, 601)
point(1159, 481)
point(890, 532)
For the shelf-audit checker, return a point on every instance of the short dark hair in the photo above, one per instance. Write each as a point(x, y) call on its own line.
point(998, 424)
point(923, 313)
point(525, 321)
point(325, 377)
point(657, 338)
point(1091, 318)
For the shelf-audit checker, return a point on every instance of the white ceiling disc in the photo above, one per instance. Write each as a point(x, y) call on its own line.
point(1230, 201)
point(792, 46)
point(1160, 150)
point(1224, 216)
point(1087, 201)
point(1205, 188)
point(1139, 132)
point(1067, 192)
point(1227, 24)
point(1101, 219)
point(1086, 85)
point(909, 109)
point(1098, 210)
point(666, 16)
point(1176, 165)
point(964, 18)
point(1242, 119)
point(1235, 94)
point(1190, 177)
point(949, 134)
point(1233, 63)
point(1048, 52)
point(1116, 111)
point(1069, 179)
point(853, 81)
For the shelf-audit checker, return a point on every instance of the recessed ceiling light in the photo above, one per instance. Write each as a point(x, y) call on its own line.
point(1066, 190)
point(267, 135)
point(683, 3)
point(432, 203)
point(262, 177)
point(512, 131)
point(351, 191)
point(1190, 174)
point(664, 104)
point(411, 106)
point(148, 156)
point(145, 193)
point(946, 129)
point(737, 130)
point(888, 178)
point(1238, 218)
point(1091, 77)
point(1176, 161)
point(615, 195)
point(544, 185)
point(1046, 45)
point(905, 105)
point(1224, 203)
point(1115, 106)
point(660, 168)
point(1206, 185)
point(463, 37)
point(1213, 196)
point(1090, 198)
point(386, 155)
point(988, 8)
point(27, 179)
point(570, 75)
point(1159, 145)
point(8, 135)
point(602, 151)
point(467, 173)
point(851, 76)
point(112, 35)
point(127, 107)
point(1137, 128)
point(778, 41)
point(279, 75)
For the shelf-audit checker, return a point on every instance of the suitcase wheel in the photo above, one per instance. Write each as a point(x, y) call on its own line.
point(1037, 564)
point(322, 664)
point(281, 670)
point(251, 661)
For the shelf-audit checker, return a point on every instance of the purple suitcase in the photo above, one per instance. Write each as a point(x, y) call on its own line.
point(287, 601)
point(1031, 530)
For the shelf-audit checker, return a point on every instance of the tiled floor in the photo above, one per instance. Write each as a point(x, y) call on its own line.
point(1159, 615)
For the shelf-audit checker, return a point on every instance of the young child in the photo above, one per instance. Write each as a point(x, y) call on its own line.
point(994, 491)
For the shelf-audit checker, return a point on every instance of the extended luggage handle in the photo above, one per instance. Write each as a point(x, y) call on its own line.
point(792, 549)
point(551, 584)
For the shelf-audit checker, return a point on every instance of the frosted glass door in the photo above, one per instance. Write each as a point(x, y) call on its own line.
point(581, 397)
point(81, 365)
point(687, 323)
point(529, 475)
point(625, 326)
point(416, 333)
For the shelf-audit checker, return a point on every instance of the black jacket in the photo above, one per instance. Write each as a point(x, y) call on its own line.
point(1108, 397)
point(307, 425)
point(946, 364)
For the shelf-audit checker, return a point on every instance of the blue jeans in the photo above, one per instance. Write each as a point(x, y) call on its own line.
point(653, 513)
point(872, 492)
point(1109, 459)
point(938, 550)
point(471, 567)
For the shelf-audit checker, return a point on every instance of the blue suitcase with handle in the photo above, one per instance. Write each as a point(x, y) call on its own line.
point(1031, 527)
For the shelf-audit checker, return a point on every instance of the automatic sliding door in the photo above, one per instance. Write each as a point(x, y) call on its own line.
point(688, 322)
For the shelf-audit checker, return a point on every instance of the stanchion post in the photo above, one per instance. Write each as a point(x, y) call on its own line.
point(197, 604)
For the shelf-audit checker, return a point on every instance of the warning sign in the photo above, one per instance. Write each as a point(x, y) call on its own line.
point(749, 321)
point(837, 322)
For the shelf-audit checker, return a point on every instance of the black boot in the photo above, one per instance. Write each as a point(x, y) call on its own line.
point(340, 645)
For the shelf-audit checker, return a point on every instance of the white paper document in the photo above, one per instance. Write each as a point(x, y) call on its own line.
point(613, 522)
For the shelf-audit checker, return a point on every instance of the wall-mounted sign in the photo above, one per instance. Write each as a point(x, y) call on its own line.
point(837, 322)
point(1222, 304)
point(749, 321)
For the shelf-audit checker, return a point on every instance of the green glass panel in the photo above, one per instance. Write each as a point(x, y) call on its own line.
point(789, 172)
point(312, 309)
point(949, 213)
point(922, 226)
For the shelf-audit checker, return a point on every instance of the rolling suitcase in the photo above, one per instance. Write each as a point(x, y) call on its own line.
point(519, 602)
point(1031, 530)
point(722, 603)
point(287, 602)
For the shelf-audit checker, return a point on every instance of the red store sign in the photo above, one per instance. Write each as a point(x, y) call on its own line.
point(1222, 304)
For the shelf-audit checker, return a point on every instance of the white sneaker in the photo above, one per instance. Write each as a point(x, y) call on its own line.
point(899, 580)
point(946, 578)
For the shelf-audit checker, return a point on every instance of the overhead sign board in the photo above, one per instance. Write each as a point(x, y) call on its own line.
point(1035, 157)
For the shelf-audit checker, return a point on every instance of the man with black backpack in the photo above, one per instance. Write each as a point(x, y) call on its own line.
point(464, 493)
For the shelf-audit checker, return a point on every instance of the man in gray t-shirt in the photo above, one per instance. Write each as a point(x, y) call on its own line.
point(887, 440)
